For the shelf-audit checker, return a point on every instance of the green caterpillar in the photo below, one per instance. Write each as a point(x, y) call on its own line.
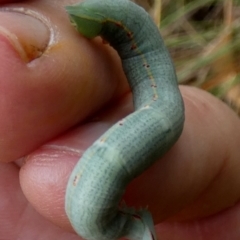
point(99, 179)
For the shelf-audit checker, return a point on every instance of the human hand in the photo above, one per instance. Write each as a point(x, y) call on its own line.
point(49, 93)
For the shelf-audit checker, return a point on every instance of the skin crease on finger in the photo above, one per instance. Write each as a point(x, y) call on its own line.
point(55, 90)
point(196, 179)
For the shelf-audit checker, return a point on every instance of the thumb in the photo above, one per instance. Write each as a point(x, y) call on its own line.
point(47, 82)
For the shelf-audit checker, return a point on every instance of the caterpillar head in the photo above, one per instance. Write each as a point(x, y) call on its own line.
point(84, 21)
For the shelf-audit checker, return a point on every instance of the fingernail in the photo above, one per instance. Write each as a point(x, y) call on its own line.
point(28, 35)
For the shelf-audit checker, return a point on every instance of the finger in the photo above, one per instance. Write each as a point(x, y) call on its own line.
point(199, 176)
point(47, 78)
point(8, 1)
point(56, 160)
point(10, 190)
point(18, 219)
point(221, 226)
point(198, 171)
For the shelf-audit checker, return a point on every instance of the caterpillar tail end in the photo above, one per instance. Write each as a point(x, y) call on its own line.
point(142, 227)
point(148, 222)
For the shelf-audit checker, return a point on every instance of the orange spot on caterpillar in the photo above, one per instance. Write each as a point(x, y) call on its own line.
point(119, 24)
point(134, 46)
point(130, 35)
point(75, 181)
point(146, 65)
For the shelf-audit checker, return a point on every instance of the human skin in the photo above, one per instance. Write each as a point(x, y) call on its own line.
point(54, 105)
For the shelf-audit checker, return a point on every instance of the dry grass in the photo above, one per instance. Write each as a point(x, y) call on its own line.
point(203, 38)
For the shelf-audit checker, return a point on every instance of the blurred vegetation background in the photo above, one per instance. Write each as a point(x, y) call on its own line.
point(203, 37)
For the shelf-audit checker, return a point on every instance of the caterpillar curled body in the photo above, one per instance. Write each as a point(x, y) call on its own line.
point(99, 179)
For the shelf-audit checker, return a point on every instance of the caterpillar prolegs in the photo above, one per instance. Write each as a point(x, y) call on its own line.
point(99, 179)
